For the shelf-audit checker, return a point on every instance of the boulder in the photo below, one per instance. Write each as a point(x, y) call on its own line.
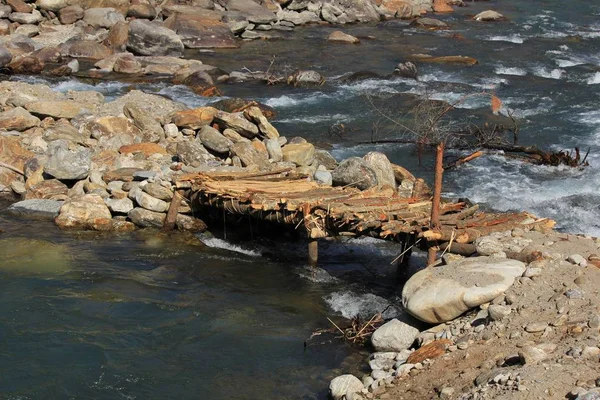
point(437, 295)
point(85, 49)
point(343, 386)
point(306, 79)
point(189, 223)
point(442, 6)
point(158, 191)
point(339, 36)
point(301, 154)
point(195, 118)
point(191, 152)
point(13, 153)
point(18, 119)
point(213, 140)
point(25, 65)
point(146, 218)
point(236, 104)
point(62, 130)
point(56, 109)
point(394, 335)
point(237, 123)
point(152, 39)
point(148, 202)
point(5, 57)
point(429, 23)
point(32, 18)
point(151, 129)
point(66, 164)
point(121, 174)
point(52, 5)
point(88, 212)
point(36, 208)
point(142, 10)
point(255, 115)
point(120, 206)
point(406, 70)
point(489, 15)
point(249, 155)
point(127, 64)
point(102, 17)
point(118, 35)
point(274, 150)
point(354, 171)
point(254, 12)
point(197, 32)
point(325, 159)
point(382, 167)
point(298, 18)
point(19, 6)
point(51, 189)
point(70, 15)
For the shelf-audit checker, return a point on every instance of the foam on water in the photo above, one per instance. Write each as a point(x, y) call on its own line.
point(317, 275)
point(594, 79)
point(516, 38)
point(217, 243)
point(562, 63)
point(317, 119)
point(543, 72)
point(286, 101)
point(351, 304)
point(510, 71)
point(185, 95)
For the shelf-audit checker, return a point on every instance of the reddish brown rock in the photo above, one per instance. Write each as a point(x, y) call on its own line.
point(85, 49)
point(19, 6)
point(13, 154)
point(26, 65)
point(118, 36)
point(51, 189)
point(194, 118)
point(442, 6)
point(70, 14)
point(430, 351)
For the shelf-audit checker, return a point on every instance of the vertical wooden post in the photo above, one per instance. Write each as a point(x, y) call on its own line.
point(313, 252)
point(431, 255)
point(437, 186)
point(171, 217)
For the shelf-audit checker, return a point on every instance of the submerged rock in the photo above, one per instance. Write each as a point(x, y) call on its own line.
point(26, 256)
point(36, 208)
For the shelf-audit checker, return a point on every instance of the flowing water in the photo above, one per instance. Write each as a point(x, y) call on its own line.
point(146, 315)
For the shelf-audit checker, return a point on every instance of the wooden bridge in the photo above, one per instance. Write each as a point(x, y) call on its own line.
point(286, 197)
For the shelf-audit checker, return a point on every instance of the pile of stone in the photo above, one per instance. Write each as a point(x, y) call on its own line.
point(113, 165)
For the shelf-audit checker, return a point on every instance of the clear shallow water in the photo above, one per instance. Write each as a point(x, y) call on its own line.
point(153, 316)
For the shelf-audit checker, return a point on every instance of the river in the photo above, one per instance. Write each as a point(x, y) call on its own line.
point(148, 315)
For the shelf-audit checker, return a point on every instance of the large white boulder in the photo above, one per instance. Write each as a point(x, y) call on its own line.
point(440, 294)
point(394, 335)
point(343, 385)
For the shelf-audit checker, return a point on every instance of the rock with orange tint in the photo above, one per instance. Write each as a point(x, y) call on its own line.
point(195, 118)
point(146, 148)
point(88, 212)
point(400, 9)
point(12, 153)
point(51, 189)
point(442, 6)
point(430, 351)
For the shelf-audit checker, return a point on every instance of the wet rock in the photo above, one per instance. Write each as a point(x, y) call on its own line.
point(354, 171)
point(197, 31)
point(301, 154)
point(71, 14)
point(237, 123)
point(151, 129)
point(190, 223)
point(430, 23)
point(249, 155)
point(195, 118)
point(489, 15)
point(151, 39)
point(87, 212)
point(5, 57)
point(382, 167)
point(461, 60)
point(36, 208)
point(146, 218)
point(236, 104)
point(394, 335)
point(26, 65)
point(437, 295)
point(343, 385)
point(339, 36)
point(255, 115)
point(213, 140)
point(406, 69)
point(102, 17)
point(306, 79)
point(18, 119)
point(68, 164)
point(121, 206)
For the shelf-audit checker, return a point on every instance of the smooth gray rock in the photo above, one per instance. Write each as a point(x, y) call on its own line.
point(394, 335)
point(354, 171)
point(274, 150)
point(158, 191)
point(382, 167)
point(152, 39)
point(146, 218)
point(254, 12)
point(151, 129)
point(323, 177)
point(341, 386)
point(249, 156)
point(437, 295)
point(306, 79)
point(236, 122)
point(191, 152)
point(150, 203)
point(102, 17)
point(26, 18)
point(489, 15)
point(122, 206)
point(66, 164)
point(36, 208)
point(489, 246)
point(213, 140)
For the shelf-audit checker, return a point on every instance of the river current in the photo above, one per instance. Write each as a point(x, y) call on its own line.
point(147, 315)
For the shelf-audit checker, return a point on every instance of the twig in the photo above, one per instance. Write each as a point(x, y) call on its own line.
point(14, 169)
point(405, 251)
point(338, 328)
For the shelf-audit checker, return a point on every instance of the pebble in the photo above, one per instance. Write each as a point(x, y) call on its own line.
point(536, 327)
point(594, 322)
point(498, 312)
point(463, 345)
point(574, 294)
point(531, 272)
point(446, 393)
point(577, 259)
point(379, 374)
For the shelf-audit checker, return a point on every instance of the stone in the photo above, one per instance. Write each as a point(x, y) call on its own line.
point(102, 17)
point(436, 295)
point(158, 191)
point(324, 158)
point(33, 18)
point(36, 208)
point(394, 335)
point(577, 259)
point(195, 118)
point(274, 150)
point(430, 351)
point(70, 14)
point(148, 202)
point(68, 164)
point(146, 218)
point(52, 5)
point(87, 212)
point(298, 18)
point(236, 104)
point(430, 23)
point(535, 327)
point(190, 223)
point(489, 15)
point(306, 79)
point(151, 39)
point(51, 189)
point(382, 167)
point(249, 155)
point(151, 129)
point(301, 154)
point(254, 12)
point(341, 386)
point(147, 149)
point(498, 312)
point(489, 246)
point(590, 352)
point(18, 119)
point(531, 355)
point(198, 32)
point(406, 69)
point(85, 49)
point(382, 363)
point(5, 56)
point(255, 115)
point(19, 6)
point(354, 171)
point(191, 152)
point(56, 109)
point(120, 206)
point(142, 10)
point(25, 65)
point(238, 123)
point(127, 64)
point(213, 140)
point(323, 177)
point(339, 36)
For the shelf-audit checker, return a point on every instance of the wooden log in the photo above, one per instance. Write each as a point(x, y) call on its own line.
point(463, 249)
point(465, 159)
point(171, 217)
